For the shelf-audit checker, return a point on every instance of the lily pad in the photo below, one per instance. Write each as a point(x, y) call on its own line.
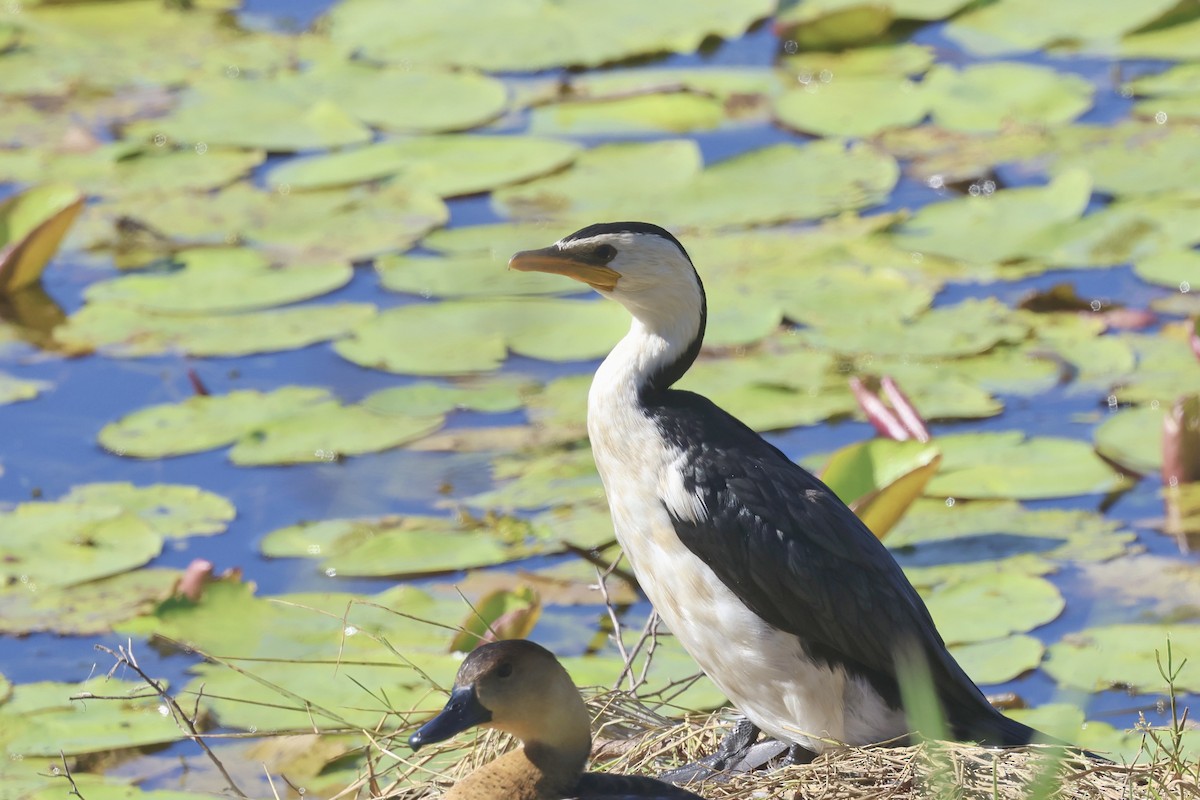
point(733, 86)
point(1166, 368)
point(221, 280)
point(1007, 465)
point(482, 333)
point(999, 660)
point(32, 225)
point(172, 510)
point(1123, 656)
point(1004, 226)
point(394, 545)
point(662, 181)
point(14, 389)
point(1135, 159)
point(1173, 269)
point(676, 112)
point(852, 106)
point(880, 478)
point(84, 609)
point(542, 480)
point(1172, 42)
point(1133, 438)
point(1008, 27)
point(876, 60)
point(481, 276)
point(1065, 722)
point(989, 97)
point(46, 545)
point(127, 332)
point(498, 36)
point(988, 607)
point(41, 719)
point(426, 397)
point(442, 165)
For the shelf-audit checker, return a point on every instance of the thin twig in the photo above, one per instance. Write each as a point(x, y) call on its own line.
point(70, 778)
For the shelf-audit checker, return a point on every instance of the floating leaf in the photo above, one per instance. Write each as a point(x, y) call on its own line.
point(990, 97)
point(32, 225)
point(733, 86)
point(41, 719)
point(662, 181)
point(1173, 269)
point(1007, 465)
point(171, 510)
point(1166, 368)
point(852, 106)
point(1123, 656)
point(84, 609)
point(1174, 42)
point(1066, 723)
point(126, 332)
point(44, 545)
point(677, 112)
point(880, 478)
point(1133, 159)
point(1133, 438)
point(426, 397)
point(497, 36)
point(1006, 26)
point(221, 280)
point(1001, 227)
point(443, 165)
point(941, 157)
point(542, 481)
point(14, 389)
point(876, 60)
point(503, 614)
point(481, 275)
point(990, 606)
point(999, 660)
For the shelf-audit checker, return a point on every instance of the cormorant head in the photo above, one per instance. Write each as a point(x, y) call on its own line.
point(639, 265)
point(515, 686)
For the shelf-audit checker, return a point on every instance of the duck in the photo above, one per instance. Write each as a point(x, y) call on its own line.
point(780, 593)
point(519, 687)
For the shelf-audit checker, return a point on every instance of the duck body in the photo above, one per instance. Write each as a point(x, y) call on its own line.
point(785, 599)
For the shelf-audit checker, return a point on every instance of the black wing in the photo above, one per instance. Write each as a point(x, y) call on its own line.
point(798, 557)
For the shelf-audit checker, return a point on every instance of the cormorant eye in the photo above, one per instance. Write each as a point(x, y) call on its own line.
point(605, 252)
point(504, 670)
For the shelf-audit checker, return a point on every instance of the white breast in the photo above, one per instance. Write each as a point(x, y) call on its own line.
point(762, 670)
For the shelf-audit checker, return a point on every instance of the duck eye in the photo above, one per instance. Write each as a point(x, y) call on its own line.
point(504, 670)
point(605, 252)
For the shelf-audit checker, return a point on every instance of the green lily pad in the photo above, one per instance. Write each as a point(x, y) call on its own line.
point(1123, 655)
point(1007, 465)
point(988, 607)
point(482, 333)
point(990, 97)
point(1008, 26)
point(875, 60)
point(852, 106)
point(940, 157)
point(1166, 368)
point(1065, 722)
point(203, 422)
point(498, 36)
point(1133, 438)
point(14, 389)
point(328, 432)
point(880, 478)
point(306, 227)
point(1180, 79)
point(1159, 587)
point(84, 609)
point(1174, 270)
point(1126, 230)
point(172, 510)
point(442, 165)
point(1173, 42)
point(1135, 159)
point(987, 530)
point(394, 545)
point(482, 275)
point(494, 395)
point(221, 280)
point(40, 719)
point(60, 544)
point(999, 660)
point(662, 181)
point(1004, 226)
point(970, 327)
point(542, 480)
point(676, 112)
point(731, 85)
point(127, 332)
point(32, 225)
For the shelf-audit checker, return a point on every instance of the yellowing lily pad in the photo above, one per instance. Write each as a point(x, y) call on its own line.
point(677, 112)
point(499, 36)
point(1123, 656)
point(32, 225)
point(221, 280)
point(1007, 465)
point(443, 165)
point(662, 181)
point(876, 60)
point(171, 510)
point(128, 332)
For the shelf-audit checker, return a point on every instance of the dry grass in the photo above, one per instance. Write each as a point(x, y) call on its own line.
point(632, 738)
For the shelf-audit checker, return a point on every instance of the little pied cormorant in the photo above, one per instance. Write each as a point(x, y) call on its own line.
point(784, 597)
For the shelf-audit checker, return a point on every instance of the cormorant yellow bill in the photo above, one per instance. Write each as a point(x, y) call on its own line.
point(555, 262)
